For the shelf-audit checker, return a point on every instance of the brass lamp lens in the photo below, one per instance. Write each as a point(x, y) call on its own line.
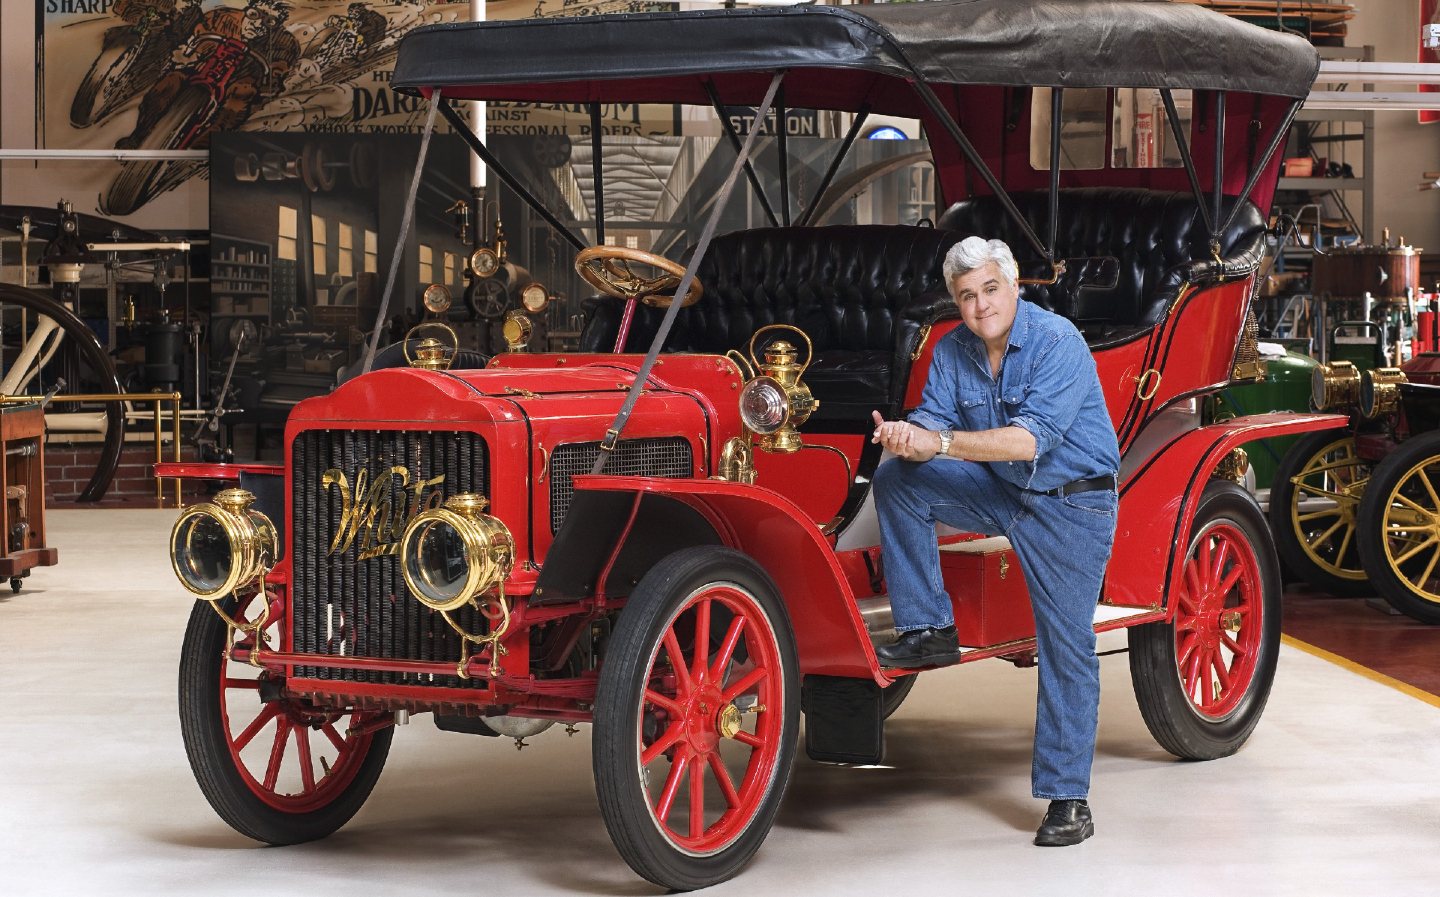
point(438, 562)
point(204, 556)
point(764, 407)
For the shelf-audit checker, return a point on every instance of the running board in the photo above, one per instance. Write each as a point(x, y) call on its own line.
point(880, 622)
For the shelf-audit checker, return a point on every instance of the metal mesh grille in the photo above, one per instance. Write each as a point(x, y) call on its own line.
point(658, 456)
point(345, 605)
point(1248, 351)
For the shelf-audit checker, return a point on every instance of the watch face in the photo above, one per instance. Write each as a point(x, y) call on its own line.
point(436, 298)
point(484, 262)
point(534, 298)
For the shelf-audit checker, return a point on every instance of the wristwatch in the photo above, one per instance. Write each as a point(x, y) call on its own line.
point(946, 437)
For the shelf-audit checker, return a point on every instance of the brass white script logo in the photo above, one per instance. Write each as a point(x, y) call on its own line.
point(367, 511)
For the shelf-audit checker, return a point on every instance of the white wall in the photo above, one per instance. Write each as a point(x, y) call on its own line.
point(1404, 148)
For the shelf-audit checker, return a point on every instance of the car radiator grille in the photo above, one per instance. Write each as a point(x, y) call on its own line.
point(346, 605)
point(658, 456)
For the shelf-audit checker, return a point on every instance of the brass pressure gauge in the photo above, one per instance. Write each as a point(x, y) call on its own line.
point(1335, 387)
point(534, 298)
point(436, 298)
point(484, 262)
point(1380, 391)
point(518, 330)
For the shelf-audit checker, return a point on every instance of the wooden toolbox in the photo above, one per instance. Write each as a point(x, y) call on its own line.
point(987, 591)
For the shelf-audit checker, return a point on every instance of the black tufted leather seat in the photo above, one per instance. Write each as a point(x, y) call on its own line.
point(1159, 238)
point(862, 294)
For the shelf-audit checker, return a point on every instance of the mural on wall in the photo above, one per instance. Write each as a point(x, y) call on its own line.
point(167, 74)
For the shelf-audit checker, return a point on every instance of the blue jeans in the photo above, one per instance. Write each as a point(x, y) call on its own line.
point(1063, 544)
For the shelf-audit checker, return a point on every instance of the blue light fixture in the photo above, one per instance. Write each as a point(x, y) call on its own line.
point(886, 132)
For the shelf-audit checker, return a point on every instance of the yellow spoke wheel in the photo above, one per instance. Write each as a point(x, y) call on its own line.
point(1400, 528)
point(1314, 512)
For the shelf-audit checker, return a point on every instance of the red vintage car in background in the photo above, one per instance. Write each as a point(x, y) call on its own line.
point(680, 548)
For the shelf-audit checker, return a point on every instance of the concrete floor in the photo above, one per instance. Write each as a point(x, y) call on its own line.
point(1337, 792)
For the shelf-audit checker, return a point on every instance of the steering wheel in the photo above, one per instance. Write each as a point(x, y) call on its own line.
point(598, 266)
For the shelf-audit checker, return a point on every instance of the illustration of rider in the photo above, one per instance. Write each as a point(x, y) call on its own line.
point(356, 33)
point(224, 49)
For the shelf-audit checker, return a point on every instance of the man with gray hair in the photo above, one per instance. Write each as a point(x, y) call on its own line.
point(1011, 438)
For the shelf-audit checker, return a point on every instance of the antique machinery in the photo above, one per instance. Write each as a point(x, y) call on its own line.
point(431, 354)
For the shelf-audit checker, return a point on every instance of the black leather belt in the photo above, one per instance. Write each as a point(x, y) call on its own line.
point(1094, 484)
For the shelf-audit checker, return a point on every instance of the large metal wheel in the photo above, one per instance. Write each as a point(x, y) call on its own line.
point(1202, 677)
point(276, 768)
point(697, 718)
point(1314, 508)
point(1400, 528)
point(101, 368)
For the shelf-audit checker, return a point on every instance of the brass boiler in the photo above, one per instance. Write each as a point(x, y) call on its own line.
point(1387, 274)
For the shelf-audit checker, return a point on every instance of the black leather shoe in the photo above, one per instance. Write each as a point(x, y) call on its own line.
point(1066, 822)
point(921, 648)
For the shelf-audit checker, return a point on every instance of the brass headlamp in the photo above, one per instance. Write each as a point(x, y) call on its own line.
point(431, 354)
point(452, 554)
point(1335, 387)
point(1380, 391)
point(216, 548)
point(776, 402)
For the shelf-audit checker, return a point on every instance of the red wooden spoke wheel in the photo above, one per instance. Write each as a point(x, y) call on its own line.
point(696, 718)
point(1202, 677)
point(1218, 622)
point(275, 767)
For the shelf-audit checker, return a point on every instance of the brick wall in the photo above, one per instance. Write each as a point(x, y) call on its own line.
point(69, 466)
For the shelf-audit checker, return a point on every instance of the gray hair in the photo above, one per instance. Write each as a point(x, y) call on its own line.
point(976, 252)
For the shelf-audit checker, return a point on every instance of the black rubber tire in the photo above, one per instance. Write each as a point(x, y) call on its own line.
point(894, 694)
point(617, 781)
point(1169, 714)
point(102, 79)
point(1282, 526)
point(1371, 533)
point(209, 755)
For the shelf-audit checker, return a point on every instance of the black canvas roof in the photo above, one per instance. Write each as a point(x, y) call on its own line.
point(1057, 43)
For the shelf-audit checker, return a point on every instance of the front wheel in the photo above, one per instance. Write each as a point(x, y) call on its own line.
point(697, 717)
point(1400, 528)
point(276, 768)
point(1202, 677)
point(1314, 505)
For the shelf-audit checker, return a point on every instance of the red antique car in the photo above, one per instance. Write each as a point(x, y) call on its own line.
point(679, 547)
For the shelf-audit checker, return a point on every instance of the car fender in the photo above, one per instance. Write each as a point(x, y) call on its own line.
point(829, 631)
point(1158, 502)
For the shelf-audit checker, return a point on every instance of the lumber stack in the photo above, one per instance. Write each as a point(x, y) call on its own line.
point(1327, 20)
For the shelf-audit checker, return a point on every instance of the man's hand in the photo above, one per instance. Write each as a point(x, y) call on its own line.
point(906, 440)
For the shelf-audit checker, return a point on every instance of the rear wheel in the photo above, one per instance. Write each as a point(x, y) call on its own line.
point(1314, 507)
point(1400, 528)
point(697, 718)
point(140, 182)
point(276, 768)
point(1202, 678)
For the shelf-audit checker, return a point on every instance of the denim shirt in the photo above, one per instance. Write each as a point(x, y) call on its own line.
point(1048, 385)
